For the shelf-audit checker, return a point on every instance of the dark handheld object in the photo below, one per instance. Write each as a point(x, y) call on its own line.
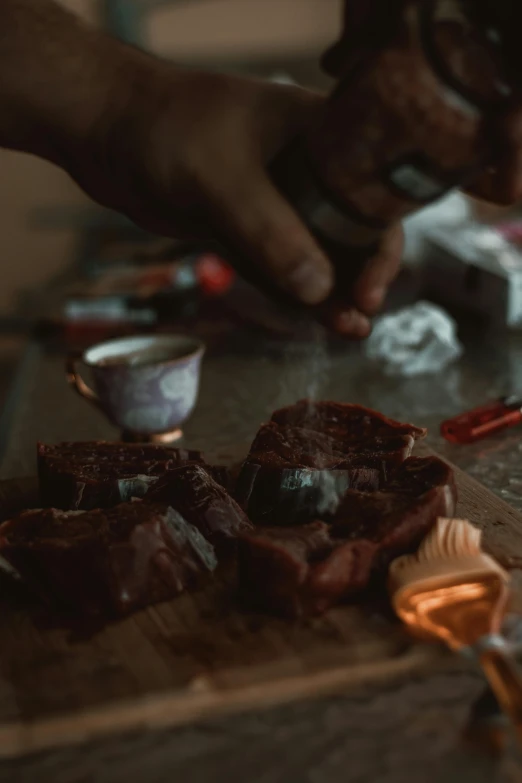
point(481, 422)
point(422, 88)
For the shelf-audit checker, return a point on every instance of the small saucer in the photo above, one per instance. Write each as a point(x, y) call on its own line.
point(159, 438)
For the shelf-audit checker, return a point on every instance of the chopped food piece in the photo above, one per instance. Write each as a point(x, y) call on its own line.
point(106, 562)
point(297, 571)
point(307, 569)
point(309, 454)
point(399, 517)
point(99, 474)
point(339, 418)
point(191, 490)
point(222, 475)
point(333, 484)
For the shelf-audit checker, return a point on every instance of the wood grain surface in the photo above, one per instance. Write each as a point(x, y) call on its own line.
point(201, 657)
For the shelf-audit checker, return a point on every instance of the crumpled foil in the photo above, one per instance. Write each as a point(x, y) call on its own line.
point(417, 340)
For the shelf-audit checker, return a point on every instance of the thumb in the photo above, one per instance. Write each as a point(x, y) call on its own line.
point(261, 224)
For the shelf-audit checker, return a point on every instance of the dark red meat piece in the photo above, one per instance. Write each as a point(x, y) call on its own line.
point(309, 454)
point(106, 562)
point(353, 422)
point(222, 475)
point(98, 474)
point(399, 517)
point(192, 491)
point(301, 570)
point(293, 446)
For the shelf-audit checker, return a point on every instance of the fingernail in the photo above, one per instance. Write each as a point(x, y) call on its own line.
point(310, 282)
point(352, 324)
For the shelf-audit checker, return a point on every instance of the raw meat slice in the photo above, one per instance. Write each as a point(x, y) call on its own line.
point(309, 454)
point(397, 518)
point(106, 562)
point(191, 490)
point(301, 570)
point(352, 421)
point(293, 446)
point(307, 569)
point(98, 474)
point(223, 475)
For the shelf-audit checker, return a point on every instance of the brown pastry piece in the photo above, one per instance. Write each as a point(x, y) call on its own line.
point(301, 570)
point(309, 454)
point(191, 490)
point(106, 562)
point(98, 474)
point(397, 518)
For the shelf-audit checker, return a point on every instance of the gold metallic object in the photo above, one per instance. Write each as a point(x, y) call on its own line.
point(158, 439)
point(454, 592)
point(76, 382)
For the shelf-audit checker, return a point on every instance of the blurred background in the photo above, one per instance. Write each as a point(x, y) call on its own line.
point(74, 274)
point(39, 234)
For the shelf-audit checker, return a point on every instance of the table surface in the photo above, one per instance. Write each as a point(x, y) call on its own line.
point(240, 387)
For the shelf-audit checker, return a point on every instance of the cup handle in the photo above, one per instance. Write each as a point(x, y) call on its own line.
point(76, 381)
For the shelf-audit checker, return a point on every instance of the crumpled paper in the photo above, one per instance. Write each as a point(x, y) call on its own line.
point(417, 340)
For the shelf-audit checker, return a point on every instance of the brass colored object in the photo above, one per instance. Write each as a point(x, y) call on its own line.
point(159, 438)
point(76, 382)
point(452, 591)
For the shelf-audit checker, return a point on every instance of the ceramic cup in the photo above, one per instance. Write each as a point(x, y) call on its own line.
point(145, 385)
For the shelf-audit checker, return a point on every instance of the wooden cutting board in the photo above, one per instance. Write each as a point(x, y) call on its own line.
point(199, 655)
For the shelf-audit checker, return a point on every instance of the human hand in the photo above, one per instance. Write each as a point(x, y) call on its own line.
point(185, 154)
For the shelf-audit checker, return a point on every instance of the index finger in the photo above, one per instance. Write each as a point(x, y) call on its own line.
point(379, 272)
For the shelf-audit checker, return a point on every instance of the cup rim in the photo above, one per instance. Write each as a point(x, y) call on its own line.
point(198, 350)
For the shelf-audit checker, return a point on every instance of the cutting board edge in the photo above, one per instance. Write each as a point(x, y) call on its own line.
point(172, 709)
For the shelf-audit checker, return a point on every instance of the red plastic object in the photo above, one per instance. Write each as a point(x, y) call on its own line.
point(481, 422)
point(214, 275)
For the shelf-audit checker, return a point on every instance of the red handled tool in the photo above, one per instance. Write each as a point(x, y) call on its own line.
point(481, 422)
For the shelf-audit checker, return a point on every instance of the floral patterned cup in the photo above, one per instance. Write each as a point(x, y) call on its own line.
point(145, 385)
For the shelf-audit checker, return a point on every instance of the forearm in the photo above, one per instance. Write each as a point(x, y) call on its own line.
point(57, 77)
